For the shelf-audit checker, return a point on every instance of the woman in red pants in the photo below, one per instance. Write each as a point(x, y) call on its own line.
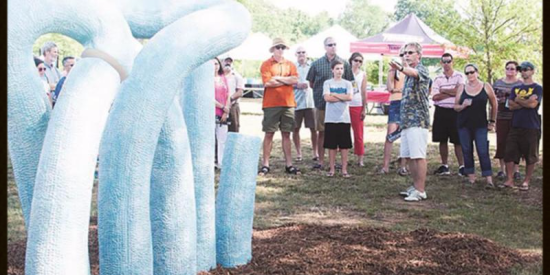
point(357, 105)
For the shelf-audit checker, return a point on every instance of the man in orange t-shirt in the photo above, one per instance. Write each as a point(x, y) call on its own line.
point(279, 75)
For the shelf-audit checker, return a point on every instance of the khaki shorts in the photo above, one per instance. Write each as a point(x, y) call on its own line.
point(306, 115)
point(320, 117)
point(276, 118)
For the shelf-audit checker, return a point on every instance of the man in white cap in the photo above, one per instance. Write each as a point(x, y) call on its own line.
point(279, 76)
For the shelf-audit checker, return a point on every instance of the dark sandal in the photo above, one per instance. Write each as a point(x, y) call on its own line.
point(263, 171)
point(292, 170)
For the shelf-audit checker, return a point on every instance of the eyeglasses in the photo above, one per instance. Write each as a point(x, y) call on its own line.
point(280, 47)
point(512, 69)
point(470, 72)
point(524, 69)
point(41, 69)
point(409, 52)
point(331, 45)
point(358, 60)
point(446, 61)
point(301, 52)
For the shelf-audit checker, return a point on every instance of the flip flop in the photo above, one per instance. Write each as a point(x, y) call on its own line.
point(524, 187)
point(330, 174)
point(346, 175)
point(506, 186)
point(299, 159)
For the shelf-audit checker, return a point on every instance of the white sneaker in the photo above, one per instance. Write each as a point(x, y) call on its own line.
point(408, 192)
point(416, 196)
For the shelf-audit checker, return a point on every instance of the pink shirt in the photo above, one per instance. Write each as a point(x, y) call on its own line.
point(221, 93)
point(443, 82)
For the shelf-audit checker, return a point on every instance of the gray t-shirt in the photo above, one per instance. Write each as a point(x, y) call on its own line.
point(337, 112)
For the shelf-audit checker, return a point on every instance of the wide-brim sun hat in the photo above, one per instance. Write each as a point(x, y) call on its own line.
point(277, 41)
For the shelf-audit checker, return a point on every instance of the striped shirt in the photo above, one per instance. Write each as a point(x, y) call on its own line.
point(443, 82)
point(502, 92)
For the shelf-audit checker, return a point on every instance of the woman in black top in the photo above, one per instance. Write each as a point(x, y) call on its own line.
point(471, 105)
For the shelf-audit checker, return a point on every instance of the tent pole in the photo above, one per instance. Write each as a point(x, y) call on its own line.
point(380, 71)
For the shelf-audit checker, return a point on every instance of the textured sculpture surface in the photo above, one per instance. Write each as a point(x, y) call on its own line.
point(152, 132)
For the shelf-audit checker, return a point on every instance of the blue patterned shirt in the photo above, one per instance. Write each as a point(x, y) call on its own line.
point(415, 102)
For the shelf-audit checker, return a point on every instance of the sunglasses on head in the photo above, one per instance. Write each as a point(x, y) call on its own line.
point(469, 72)
point(331, 45)
point(446, 61)
point(301, 52)
point(524, 69)
point(280, 47)
point(409, 52)
point(358, 60)
point(41, 69)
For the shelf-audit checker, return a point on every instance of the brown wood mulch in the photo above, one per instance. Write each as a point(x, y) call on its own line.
point(318, 249)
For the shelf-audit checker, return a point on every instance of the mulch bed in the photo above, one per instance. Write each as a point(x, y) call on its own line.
point(317, 249)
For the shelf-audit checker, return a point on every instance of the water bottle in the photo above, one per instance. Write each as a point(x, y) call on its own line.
point(393, 136)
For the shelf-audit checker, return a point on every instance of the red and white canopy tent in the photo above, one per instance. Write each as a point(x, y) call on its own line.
point(409, 29)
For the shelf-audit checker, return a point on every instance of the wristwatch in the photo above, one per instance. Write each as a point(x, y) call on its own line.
point(401, 69)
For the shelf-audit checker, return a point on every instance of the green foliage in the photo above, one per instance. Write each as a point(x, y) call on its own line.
point(290, 24)
point(493, 29)
point(497, 32)
point(363, 19)
point(66, 46)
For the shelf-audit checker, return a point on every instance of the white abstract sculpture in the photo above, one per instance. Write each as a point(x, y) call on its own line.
point(149, 134)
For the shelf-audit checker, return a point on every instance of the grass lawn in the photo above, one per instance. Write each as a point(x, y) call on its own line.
point(509, 218)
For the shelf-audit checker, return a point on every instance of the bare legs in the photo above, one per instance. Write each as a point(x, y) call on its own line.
point(419, 169)
point(268, 144)
point(387, 148)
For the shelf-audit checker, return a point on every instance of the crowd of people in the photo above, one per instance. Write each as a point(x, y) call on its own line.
point(329, 96)
point(52, 78)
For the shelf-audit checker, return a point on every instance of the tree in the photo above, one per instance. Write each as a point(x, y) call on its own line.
point(363, 19)
point(497, 31)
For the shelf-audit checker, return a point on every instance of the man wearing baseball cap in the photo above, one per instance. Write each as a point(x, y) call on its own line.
point(279, 76)
point(523, 139)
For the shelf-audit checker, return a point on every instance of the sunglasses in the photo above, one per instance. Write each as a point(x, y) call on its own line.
point(524, 69)
point(331, 45)
point(280, 47)
point(446, 61)
point(470, 72)
point(401, 54)
point(71, 65)
point(358, 60)
point(41, 69)
point(301, 52)
point(409, 52)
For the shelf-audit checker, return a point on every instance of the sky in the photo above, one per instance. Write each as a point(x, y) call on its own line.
point(333, 7)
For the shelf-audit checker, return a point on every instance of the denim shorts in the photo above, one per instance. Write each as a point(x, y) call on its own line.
point(394, 112)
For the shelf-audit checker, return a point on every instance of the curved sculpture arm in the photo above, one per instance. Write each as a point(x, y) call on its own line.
point(173, 213)
point(96, 24)
point(134, 124)
point(147, 17)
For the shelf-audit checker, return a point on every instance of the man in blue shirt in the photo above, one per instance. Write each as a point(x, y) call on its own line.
point(523, 138)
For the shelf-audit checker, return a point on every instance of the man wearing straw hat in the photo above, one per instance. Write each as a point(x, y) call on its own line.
point(279, 76)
